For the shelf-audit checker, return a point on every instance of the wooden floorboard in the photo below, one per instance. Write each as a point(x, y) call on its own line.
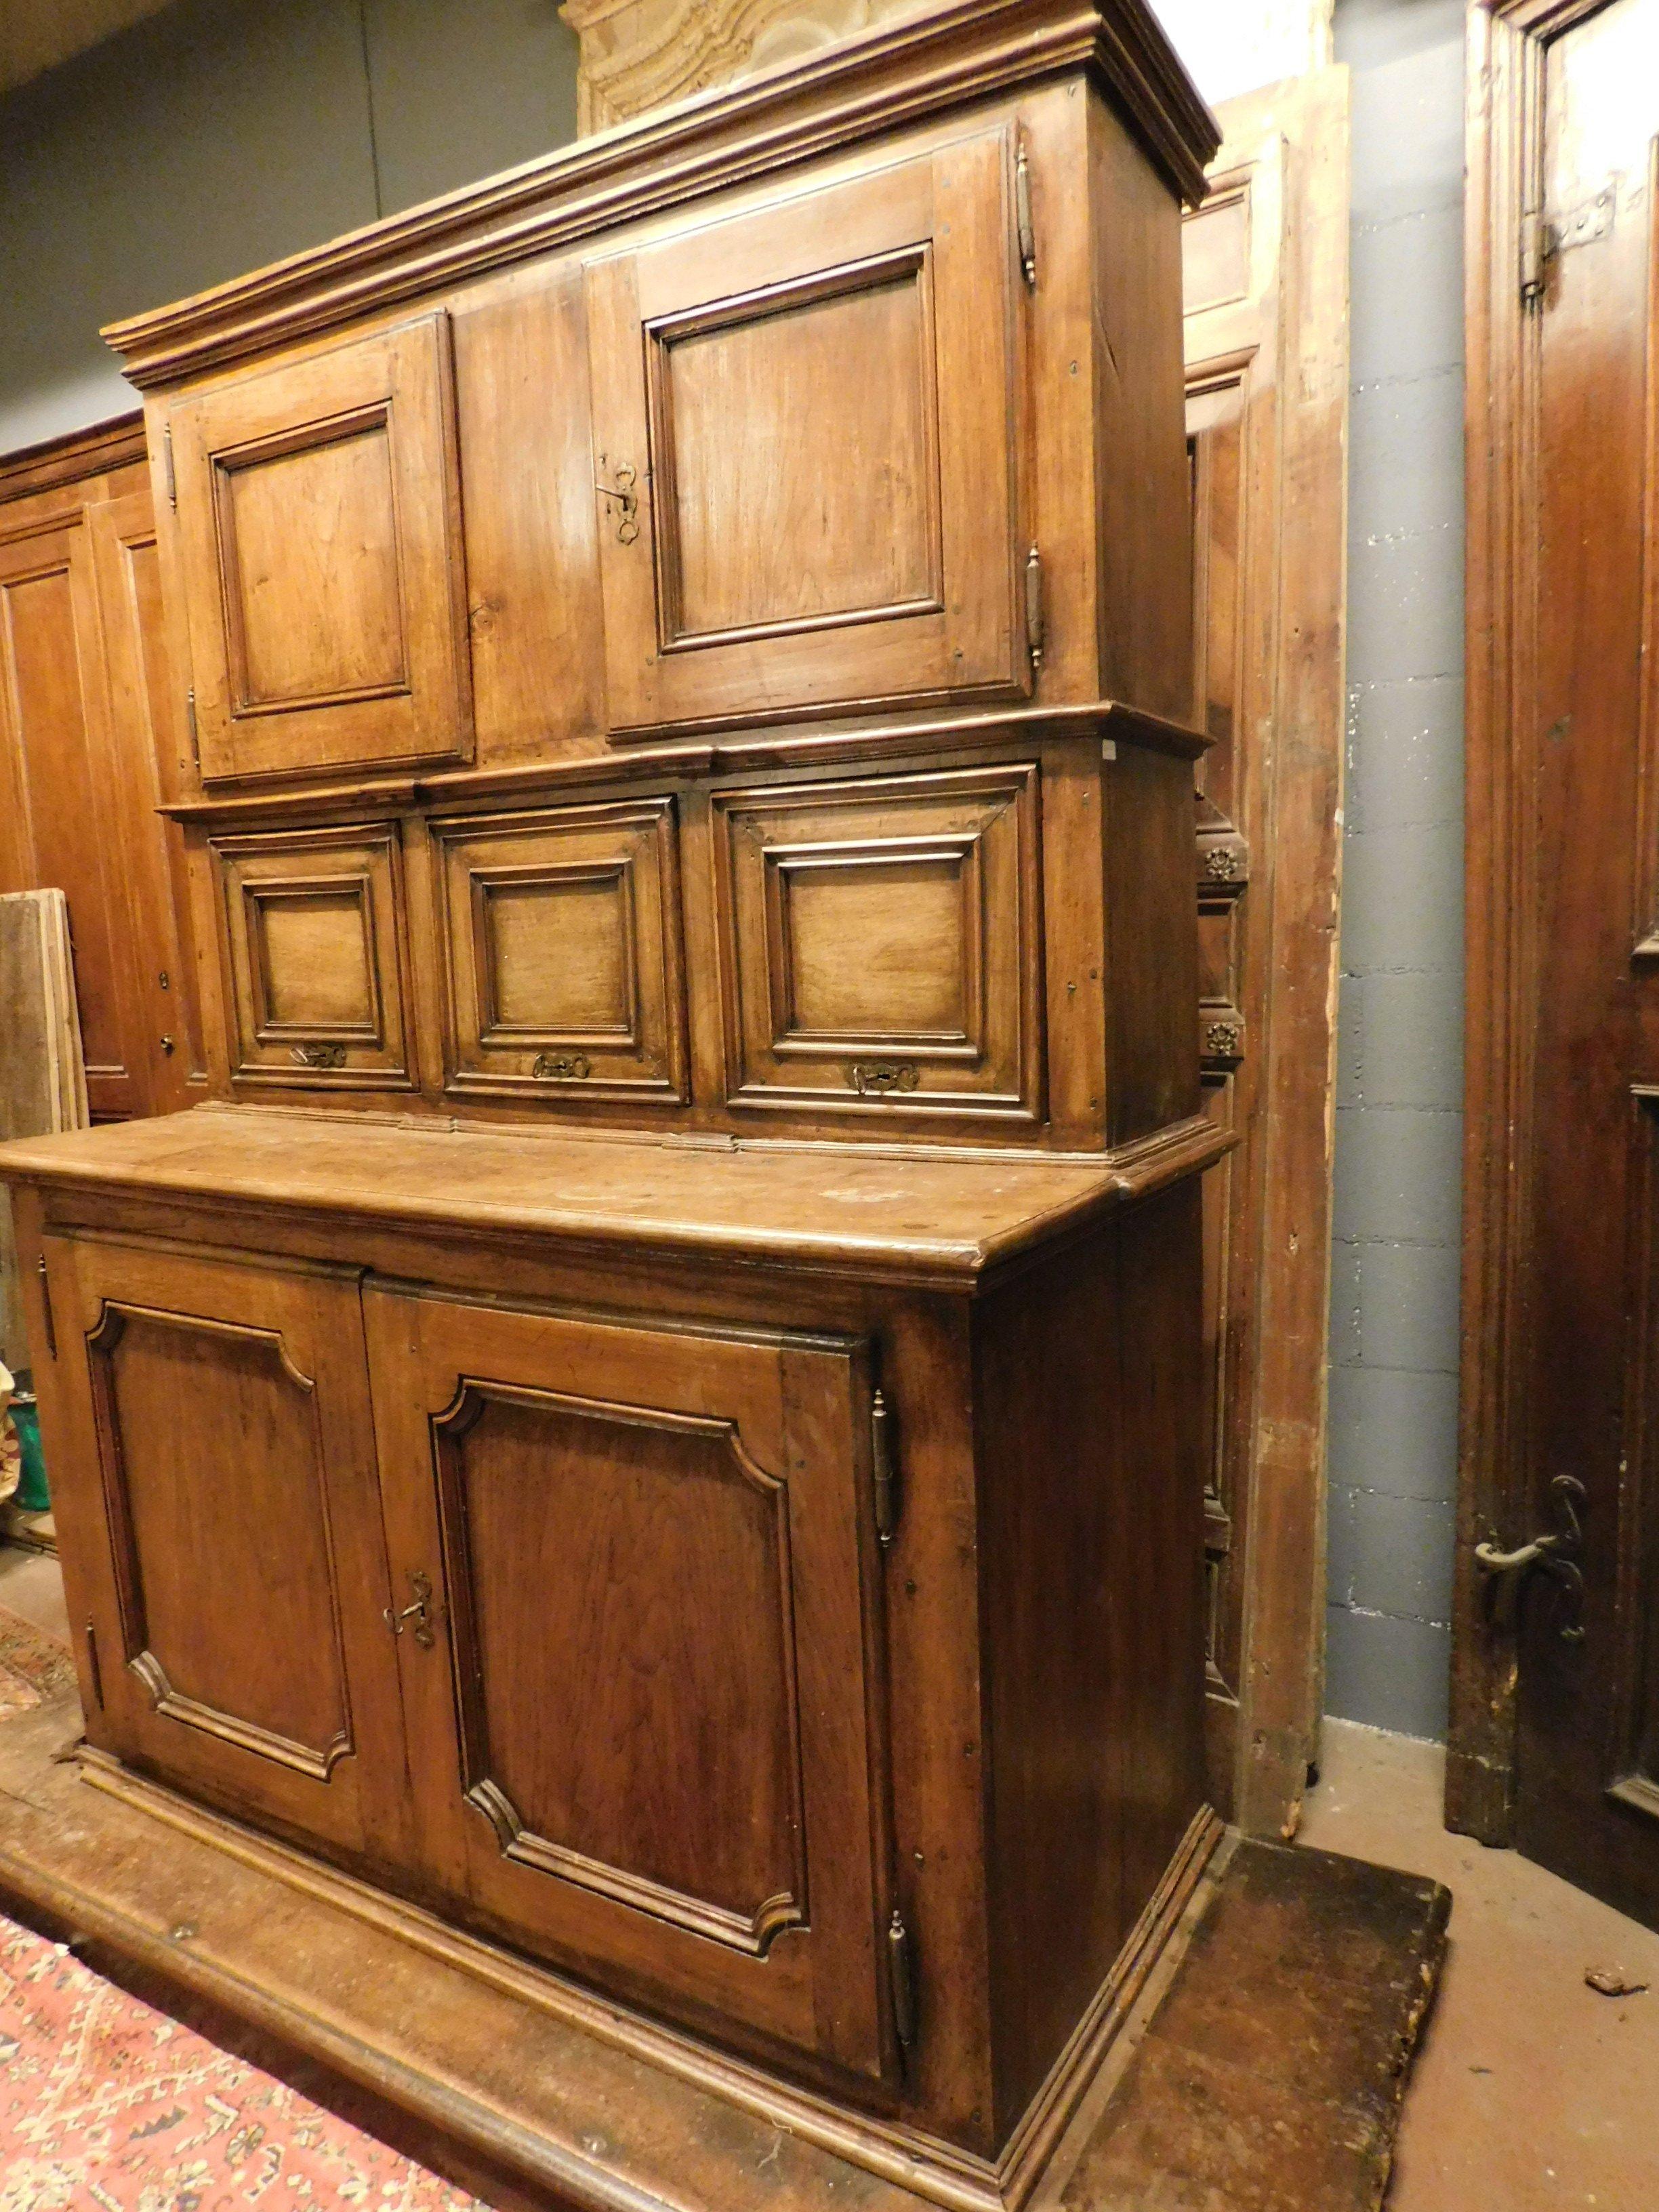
point(1263, 2068)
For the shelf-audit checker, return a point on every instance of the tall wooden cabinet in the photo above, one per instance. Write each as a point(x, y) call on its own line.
point(656, 1414)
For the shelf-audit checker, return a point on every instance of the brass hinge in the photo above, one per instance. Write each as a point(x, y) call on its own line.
point(1022, 214)
point(45, 1300)
point(167, 462)
point(92, 1669)
point(189, 717)
point(1035, 634)
point(902, 1973)
point(884, 1469)
point(1537, 244)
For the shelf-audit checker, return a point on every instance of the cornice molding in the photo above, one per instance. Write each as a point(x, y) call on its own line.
point(903, 73)
point(66, 461)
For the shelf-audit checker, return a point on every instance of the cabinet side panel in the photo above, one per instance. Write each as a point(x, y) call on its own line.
point(1090, 1551)
point(1151, 945)
point(1144, 608)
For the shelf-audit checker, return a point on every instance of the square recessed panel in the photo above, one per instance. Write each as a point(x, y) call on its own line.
point(799, 450)
point(315, 939)
point(316, 610)
point(561, 953)
point(879, 947)
point(556, 952)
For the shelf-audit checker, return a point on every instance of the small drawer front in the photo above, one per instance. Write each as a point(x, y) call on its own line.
point(316, 937)
point(883, 944)
point(561, 937)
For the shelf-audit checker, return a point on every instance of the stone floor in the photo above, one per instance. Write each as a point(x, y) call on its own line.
point(1531, 2091)
point(31, 1585)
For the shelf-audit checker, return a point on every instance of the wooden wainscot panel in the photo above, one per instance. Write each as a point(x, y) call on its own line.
point(561, 953)
point(881, 944)
point(645, 1750)
point(803, 422)
point(319, 523)
point(315, 936)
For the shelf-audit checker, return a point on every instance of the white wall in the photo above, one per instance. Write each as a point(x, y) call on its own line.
point(224, 134)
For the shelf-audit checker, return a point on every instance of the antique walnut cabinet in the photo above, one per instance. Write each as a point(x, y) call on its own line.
point(653, 1421)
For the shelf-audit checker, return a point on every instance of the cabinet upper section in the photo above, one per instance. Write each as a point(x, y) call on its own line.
point(854, 389)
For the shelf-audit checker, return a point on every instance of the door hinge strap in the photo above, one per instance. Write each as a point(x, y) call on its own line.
point(95, 1673)
point(1023, 216)
point(166, 463)
point(45, 1300)
point(884, 1466)
point(902, 1967)
point(190, 718)
point(1035, 632)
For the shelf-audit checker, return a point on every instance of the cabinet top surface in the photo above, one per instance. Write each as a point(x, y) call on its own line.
point(862, 1213)
point(905, 72)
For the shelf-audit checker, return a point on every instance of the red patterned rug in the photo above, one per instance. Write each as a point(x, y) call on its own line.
point(107, 2105)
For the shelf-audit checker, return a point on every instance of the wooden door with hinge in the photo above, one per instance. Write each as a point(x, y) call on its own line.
point(637, 1571)
point(1555, 1726)
point(805, 429)
point(64, 824)
point(207, 1427)
point(1265, 262)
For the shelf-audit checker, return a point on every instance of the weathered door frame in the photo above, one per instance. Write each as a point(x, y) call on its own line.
point(1275, 863)
point(1504, 117)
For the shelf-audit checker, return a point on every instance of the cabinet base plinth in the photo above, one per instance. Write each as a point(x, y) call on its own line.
point(505, 2076)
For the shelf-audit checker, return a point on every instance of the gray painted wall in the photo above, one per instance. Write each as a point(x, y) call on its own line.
point(1395, 1278)
point(228, 132)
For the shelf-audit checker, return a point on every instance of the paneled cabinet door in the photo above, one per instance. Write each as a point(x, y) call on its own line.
point(319, 530)
point(641, 1566)
point(212, 1469)
point(804, 445)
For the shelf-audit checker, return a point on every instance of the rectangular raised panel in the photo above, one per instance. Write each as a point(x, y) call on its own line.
point(562, 953)
point(805, 429)
point(882, 943)
point(316, 613)
point(580, 1529)
point(322, 559)
point(212, 1464)
point(315, 940)
point(646, 1752)
point(1215, 244)
point(850, 354)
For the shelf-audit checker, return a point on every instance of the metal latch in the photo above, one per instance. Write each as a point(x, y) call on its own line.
point(417, 1616)
point(1555, 1554)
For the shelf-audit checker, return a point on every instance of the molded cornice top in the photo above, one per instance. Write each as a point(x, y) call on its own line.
point(902, 73)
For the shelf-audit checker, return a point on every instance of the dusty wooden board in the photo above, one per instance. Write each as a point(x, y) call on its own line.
point(1272, 2077)
point(1268, 2064)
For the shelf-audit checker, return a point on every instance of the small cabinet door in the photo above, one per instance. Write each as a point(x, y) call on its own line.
point(638, 1692)
point(805, 422)
point(319, 532)
point(213, 1472)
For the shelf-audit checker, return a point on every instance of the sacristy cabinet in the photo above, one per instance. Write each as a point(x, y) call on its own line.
point(653, 1414)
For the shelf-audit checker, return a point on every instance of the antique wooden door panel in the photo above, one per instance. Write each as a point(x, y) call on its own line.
point(315, 942)
point(1556, 1691)
point(881, 944)
point(319, 530)
point(1264, 259)
point(217, 1472)
point(60, 825)
point(562, 941)
point(804, 424)
point(637, 1683)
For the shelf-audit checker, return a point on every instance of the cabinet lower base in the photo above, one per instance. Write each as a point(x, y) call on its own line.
point(569, 2099)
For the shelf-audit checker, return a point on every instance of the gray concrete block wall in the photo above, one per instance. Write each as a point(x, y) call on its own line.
point(1394, 1274)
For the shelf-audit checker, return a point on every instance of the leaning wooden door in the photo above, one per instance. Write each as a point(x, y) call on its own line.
point(636, 1569)
point(1265, 261)
point(209, 1430)
point(1556, 1719)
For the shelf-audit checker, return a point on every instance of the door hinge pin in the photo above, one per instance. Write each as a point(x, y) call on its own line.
point(189, 717)
point(45, 1300)
point(1537, 245)
point(1035, 636)
point(95, 1673)
point(1023, 216)
point(166, 463)
point(884, 1469)
point(901, 1965)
